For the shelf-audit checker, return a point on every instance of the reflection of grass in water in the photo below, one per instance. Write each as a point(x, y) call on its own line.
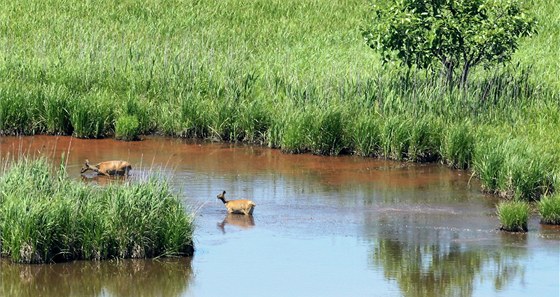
point(168, 277)
point(442, 270)
point(436, 262)
point(45, 216)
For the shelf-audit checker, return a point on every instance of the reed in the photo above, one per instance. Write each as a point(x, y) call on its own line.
point(458, 145)
point(514, 168)
point(127, 128)
point(395, 137)
point(91, 116)
point(56, 117)
point(141, 110)
point(425, 139)
point(549, 209)
point(328, 135)
point(513, 215)
point(489, 165)
point(296, 129)
point(47, 217)
point(15, 109)
point(366, 135)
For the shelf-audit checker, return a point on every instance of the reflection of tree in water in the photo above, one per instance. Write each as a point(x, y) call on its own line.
point(429, 262)
point(167, 277)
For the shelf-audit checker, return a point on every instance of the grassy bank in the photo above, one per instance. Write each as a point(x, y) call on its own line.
point(47, 217)
point(276, 73)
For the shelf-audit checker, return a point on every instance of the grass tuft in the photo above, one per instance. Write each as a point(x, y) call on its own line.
point(513, 215)
point(549, 209)
point(127, 128)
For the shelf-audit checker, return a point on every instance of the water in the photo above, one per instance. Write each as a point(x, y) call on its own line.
point(328, 226)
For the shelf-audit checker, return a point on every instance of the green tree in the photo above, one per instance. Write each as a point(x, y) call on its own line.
point(456, 34)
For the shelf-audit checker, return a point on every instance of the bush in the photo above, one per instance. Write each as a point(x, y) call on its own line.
point(127, 128)
point(456, 35)
point(513, 215)
point(549, 209)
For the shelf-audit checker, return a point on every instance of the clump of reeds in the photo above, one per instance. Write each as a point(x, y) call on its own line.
point(127, 128)
point(295, 137)
point(513, 168)
point(489, 165)
point(91, 116)
point(395, 137)
point(458, 145)
point(328, 133)
point(47, 217)
point(549, 209)
point(513, 215)
point(425, 139)
point(366, 135)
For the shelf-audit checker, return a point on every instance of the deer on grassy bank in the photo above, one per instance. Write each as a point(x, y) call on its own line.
point(241, 206)
point(109, 168)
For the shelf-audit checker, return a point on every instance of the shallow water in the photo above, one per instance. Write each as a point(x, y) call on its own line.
point(328, 226)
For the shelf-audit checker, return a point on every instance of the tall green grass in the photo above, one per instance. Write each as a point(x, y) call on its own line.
point(47, 217)
point(513, 215)
point(549, 209)
point(274, 72)
point(127, 128)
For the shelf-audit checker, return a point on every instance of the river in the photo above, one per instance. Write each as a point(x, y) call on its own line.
point(323, 226)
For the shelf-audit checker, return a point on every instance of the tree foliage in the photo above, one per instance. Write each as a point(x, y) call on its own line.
point(457, 34)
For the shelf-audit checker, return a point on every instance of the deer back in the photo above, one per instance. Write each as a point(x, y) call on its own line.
point(114, 167)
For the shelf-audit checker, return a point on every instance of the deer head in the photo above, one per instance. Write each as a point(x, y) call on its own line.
point(87, 167)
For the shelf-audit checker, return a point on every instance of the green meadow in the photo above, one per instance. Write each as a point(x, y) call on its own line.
point(290, 74)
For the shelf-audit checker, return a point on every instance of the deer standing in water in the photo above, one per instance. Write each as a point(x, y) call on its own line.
point(241, 206)
point(109, 168)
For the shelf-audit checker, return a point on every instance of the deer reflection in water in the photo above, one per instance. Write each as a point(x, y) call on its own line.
point(238, 220)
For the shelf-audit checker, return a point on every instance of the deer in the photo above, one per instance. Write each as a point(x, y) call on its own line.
point(241, 206)
point(109, 168)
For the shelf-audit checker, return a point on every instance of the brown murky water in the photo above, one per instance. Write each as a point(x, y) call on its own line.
point(328, 226)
